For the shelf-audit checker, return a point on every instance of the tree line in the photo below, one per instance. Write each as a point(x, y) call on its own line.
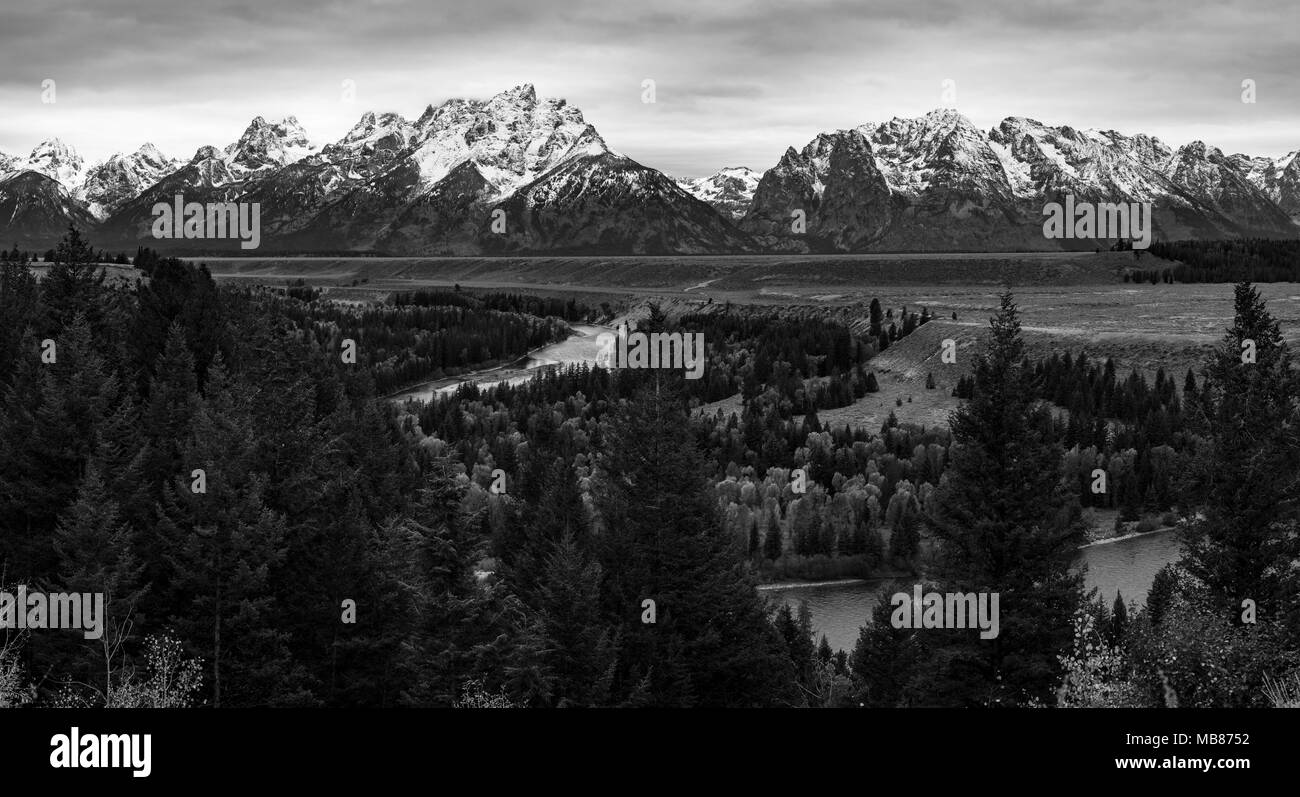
point(1245, 259)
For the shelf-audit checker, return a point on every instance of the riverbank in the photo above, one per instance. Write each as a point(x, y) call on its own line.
point(578, 347)
point(801, 584)
point(1123, 537)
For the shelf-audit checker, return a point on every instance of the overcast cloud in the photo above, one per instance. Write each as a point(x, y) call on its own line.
point(737, 82)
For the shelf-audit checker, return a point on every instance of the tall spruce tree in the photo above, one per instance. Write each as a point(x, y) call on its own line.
point(95, 556)
point(1006, 522)
point(886, 660)
point(876, 317)
point(1243, 485)
point(74, 285)
point(711, 642)
point(580, 647)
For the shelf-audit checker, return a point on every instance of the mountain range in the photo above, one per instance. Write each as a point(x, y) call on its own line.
point(516, 174)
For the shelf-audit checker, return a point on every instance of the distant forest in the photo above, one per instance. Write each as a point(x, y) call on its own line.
point(1248, 259)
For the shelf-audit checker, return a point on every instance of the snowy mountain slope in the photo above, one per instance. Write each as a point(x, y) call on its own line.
point(121, 178)
point(1278, 178)
point(951, 186)
point(58, 161)
point(263, 151)
point(605, 203)
point(730, 191)
point(209, 176)
point(464, 158)
point(1231, 202)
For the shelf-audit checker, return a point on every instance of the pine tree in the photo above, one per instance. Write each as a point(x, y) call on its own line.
point(1004, 521)
point(796, 631)
point(1118, 620)
point(886, 660)
point(1165, 586)
point(1245, 479)
point(580, 647)
point(711, 643)
point(552, 508)
point(905, 538)
point(74, 285)
point(824, 652)
point(772, 541)
point(95, 556)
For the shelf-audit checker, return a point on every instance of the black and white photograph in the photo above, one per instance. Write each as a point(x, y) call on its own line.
point(375, 364)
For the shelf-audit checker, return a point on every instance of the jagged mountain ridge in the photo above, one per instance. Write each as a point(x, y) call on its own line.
point(430, 185)
point(950, 186)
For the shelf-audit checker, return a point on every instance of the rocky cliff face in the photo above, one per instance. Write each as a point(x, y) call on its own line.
point(951, 186)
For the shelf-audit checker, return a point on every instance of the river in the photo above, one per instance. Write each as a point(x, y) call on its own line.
point(580, 347)
point(841, 608)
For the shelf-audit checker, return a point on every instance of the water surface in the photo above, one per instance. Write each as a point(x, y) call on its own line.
point(1126, 566)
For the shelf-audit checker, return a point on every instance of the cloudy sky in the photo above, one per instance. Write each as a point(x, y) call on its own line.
point(736, 82)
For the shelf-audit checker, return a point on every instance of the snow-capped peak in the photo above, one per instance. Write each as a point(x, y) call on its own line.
point(119, 179)
point(265, 145)
point(376, 131)
point(730, 190)
point(56, 160)
point(512, 138)
point(207, 152)
point(1199, 149)
point(522, 95)
point(911, 153)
